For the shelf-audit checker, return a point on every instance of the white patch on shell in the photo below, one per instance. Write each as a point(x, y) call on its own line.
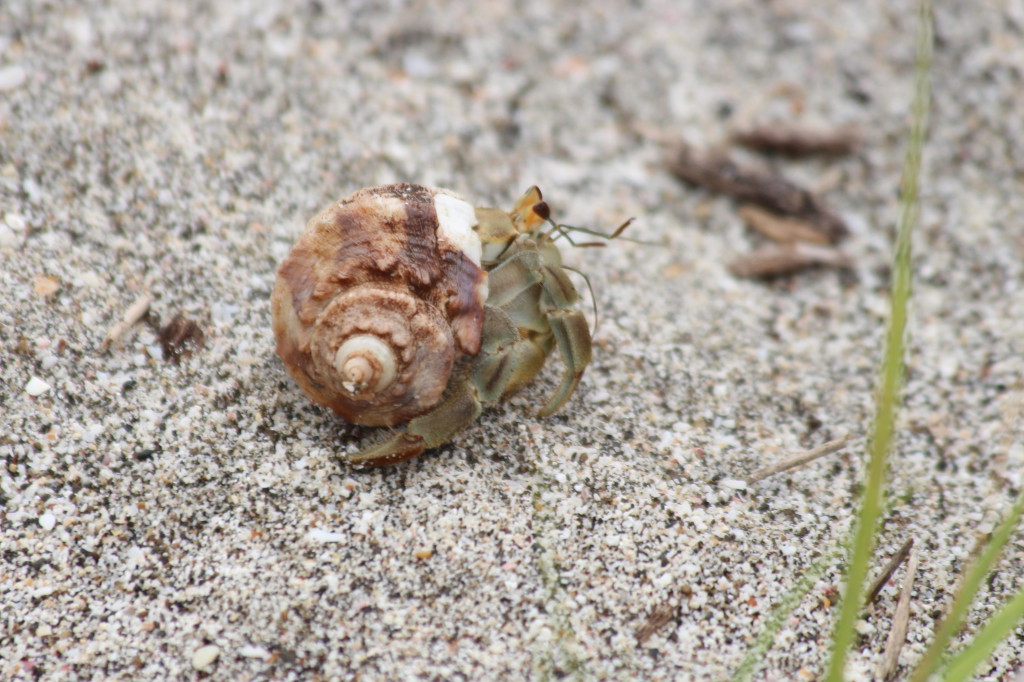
point(455, 221)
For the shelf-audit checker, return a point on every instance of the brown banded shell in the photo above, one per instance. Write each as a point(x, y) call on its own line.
point(380, 295)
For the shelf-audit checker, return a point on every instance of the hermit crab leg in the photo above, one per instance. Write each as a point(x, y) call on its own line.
point(457, 410)
point(507, 361)
point(513, 277)
point(397, 448)
point(571, 332)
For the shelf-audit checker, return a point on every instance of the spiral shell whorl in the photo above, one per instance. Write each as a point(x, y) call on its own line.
point(411, 333)
point(365, 363)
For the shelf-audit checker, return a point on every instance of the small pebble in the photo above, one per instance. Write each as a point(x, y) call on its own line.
point(733, 483)
point(7, 235)
point(46, 285)
point(253, 651)
point(44, 630)
point(12, 77)
point(318, 535)
point(47, 521)
point(89, 280)
point(205, 656)
point(15, 221)
point(36, 387)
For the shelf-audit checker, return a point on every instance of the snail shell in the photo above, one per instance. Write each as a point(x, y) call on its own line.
point(380, 295)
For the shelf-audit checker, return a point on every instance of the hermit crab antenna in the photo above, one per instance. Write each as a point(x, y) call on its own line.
point(565, 230)
point(560, 230)
point(593, 297)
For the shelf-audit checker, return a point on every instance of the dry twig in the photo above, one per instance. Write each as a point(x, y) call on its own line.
point(798, 460)
point(898, 558)
point(136, 311)
point(900, 621)
point(785, 259)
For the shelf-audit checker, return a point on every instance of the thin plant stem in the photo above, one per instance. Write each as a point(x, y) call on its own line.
point(891, 379)
point(972, 581)
point(750, 664)
point(995, 631)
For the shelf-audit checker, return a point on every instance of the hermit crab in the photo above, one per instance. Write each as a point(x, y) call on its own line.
point(405, 305)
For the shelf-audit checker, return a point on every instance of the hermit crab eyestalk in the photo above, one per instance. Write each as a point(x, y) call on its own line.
point(530, 211)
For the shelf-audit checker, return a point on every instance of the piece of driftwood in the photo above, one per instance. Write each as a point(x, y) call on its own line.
point(798, 140)
point(776, 260)
point(780, 229)
point(719, 173)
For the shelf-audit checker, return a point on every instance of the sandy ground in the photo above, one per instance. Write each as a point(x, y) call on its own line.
point(165, 520)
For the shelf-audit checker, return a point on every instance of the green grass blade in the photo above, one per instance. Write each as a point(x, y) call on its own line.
point(965, 594)
point(994, 632)
point(891, 379)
